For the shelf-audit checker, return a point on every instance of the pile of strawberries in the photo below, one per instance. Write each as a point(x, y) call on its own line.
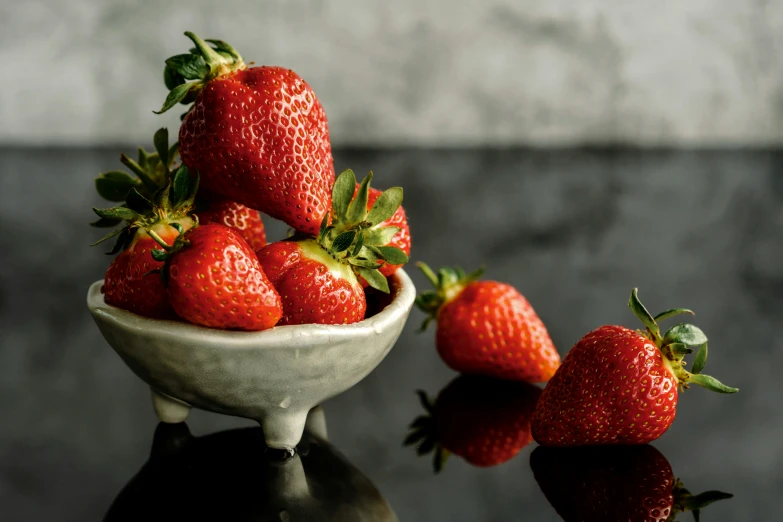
point(192, 244)
point(255, 139)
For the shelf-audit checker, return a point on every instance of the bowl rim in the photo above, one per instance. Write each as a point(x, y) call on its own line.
point(291, 336)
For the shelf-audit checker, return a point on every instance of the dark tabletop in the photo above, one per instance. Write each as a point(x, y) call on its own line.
point(573, 230)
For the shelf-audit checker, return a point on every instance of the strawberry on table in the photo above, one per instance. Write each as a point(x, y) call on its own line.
point(602, 484)
point(620, 386)
point(256, 135)
point(486, 327)
point(153, 170)
point(484, 421)
point(133, 281)
point(214, 279)
point(318, 278)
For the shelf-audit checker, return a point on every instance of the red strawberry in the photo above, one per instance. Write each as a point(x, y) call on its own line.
point(243, 219)
point(486, 327)
point(257, 135)
point(632, 483)
point(214, 279)
point(133, 281)
point(619, 386)
point(484, 421)
point(318, 278)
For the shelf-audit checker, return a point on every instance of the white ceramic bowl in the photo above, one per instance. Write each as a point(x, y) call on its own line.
point(274, 377)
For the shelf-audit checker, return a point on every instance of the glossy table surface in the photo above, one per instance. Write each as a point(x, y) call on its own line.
point(573, 230)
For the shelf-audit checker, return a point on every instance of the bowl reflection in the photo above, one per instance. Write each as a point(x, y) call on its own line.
point(231, 475)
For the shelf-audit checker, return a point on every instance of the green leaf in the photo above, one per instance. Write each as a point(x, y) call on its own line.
point(414, 437)
point(422, 421)
point(366, 263)
point(700, 360)
point(188, 66)
point(180, 190)
point(139, 203)
point(393, 255)
point(428, 273)
point(374, 278)
point(343, 241)
point(644, 316)
point(105, 223)
point(711, 383)
point(703, 500)
point(342, 193)
point(447, 276)
point(150, 184)
point(357, 248)
point(123, 213)
point(686, 334)
point(226, 48)
point(323, 228)
point(380, 236)
point(172, 153)
point(122, 240)
point(161, 141)
point(385, 206)
point(159, 255)
point(108, 236)
point(176, 95)
point(425, 401)
point(680, 349)
point(357, 208)
point(428, 301)
point(427, 445)
point(671, 313)
point(115, 185)
point(172, 78)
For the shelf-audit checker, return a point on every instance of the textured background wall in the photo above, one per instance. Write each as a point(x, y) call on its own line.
point(701, 72)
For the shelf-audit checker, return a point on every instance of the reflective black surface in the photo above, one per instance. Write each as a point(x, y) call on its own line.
point(573, 230)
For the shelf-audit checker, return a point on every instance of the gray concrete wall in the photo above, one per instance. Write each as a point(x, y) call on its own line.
point(441, 72)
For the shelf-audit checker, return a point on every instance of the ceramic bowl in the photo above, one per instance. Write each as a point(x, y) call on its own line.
point(274, 377)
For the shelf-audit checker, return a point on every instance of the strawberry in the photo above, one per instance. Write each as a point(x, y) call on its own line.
point(620, 386)
point(154, 169)
point(214, 279)
point(486, 327)
point(243, 219)
point(318, 278)
point(614, 483)
point(133, 281)
point(401, 239)
point(484, 421)
point(256, 135)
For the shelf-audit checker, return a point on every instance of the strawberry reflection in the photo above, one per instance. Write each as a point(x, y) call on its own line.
point(614, 483)
point(484, 421)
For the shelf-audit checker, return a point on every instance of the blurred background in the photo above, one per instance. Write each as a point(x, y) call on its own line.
point(498, 72)
point(578, 149)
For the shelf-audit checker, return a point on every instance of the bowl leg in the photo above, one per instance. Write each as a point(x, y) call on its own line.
point(283, 430)
point(168, 409)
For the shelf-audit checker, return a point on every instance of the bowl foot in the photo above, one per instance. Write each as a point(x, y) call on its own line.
point(168, 409)
point(283, 430)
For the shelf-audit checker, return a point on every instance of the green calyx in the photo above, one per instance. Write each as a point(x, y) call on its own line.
point(171, 204)
point(152, 170)
point(684, 501)
point(675, 345)
point(354, 235)
point(422, 434)
point(185, 75)
point(448, 283)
